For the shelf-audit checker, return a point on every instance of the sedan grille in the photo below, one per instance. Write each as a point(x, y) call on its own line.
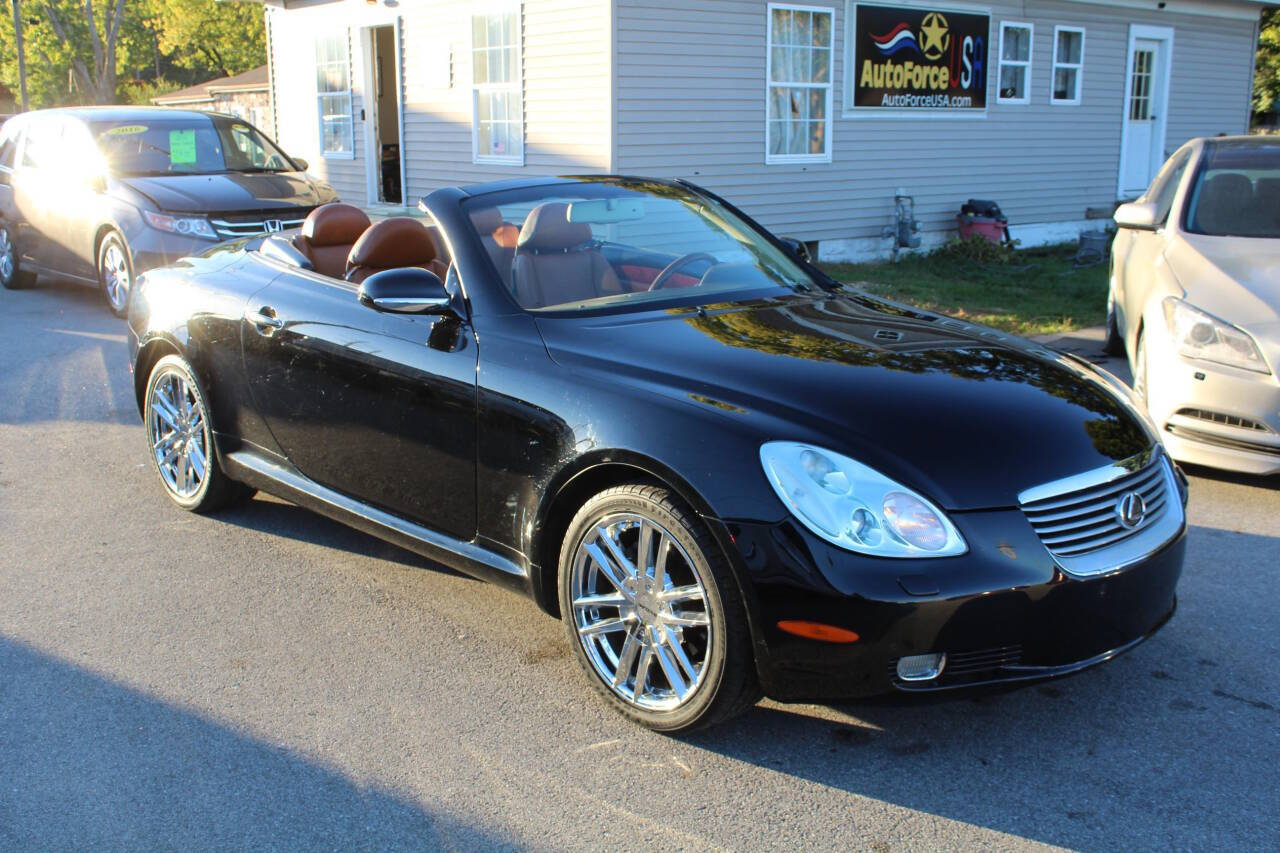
point(230, 226)
point(1106, 519)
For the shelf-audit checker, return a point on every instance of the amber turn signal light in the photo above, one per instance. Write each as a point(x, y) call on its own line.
point(818, 631)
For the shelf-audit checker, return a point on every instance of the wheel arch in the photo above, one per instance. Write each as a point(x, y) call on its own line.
point(150, 352)
point(587, 476)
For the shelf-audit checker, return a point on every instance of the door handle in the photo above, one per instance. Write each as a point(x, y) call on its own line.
point(264, 318)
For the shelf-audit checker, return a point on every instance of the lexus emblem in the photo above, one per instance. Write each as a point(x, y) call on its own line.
point(1131, 509)
point(271, 226)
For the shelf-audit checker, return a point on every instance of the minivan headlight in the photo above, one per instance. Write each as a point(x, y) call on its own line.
point(856, 507)
point(1200, 335)
point(188, 226)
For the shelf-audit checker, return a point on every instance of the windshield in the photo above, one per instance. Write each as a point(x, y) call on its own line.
point(186, 146)
point(1237, 192)
point(598, 244)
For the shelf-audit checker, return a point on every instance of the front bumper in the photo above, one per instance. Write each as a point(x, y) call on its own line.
point(1003, 613)
point(151, 248)
point(1213, 415)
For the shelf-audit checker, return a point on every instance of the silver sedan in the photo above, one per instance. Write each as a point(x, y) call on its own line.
point(1195, 302)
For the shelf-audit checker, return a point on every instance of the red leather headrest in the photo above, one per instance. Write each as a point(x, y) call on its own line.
point(395, 242)
point(334, 224)
point(548, 227)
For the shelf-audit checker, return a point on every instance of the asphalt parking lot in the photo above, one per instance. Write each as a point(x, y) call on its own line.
point(266, 678)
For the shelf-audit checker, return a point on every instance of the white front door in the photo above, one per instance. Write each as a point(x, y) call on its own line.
point(1146, 101)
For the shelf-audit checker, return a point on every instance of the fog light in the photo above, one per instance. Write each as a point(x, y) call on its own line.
point(921, 667)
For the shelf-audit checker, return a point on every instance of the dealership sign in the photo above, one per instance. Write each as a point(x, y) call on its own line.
point(919, 58)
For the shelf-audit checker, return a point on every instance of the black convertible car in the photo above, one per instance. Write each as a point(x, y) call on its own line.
point(727, 473)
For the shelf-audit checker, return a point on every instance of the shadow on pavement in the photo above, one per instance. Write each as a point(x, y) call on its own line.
point(82, 373)
point(274, 516)
point(1142, 752)
point(87, 763)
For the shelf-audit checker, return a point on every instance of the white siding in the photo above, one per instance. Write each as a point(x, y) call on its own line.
point(293, 69)
point(690, 103)
point(566, 53)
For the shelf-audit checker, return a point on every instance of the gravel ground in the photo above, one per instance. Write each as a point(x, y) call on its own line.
point(269, 679)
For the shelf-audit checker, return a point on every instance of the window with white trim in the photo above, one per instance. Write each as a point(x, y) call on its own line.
point(1068, 65)
point(497, 104)
point(1013, 82)
point(333, 95)
point(798, 98)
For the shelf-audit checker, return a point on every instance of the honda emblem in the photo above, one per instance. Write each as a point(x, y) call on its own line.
point(271, 226)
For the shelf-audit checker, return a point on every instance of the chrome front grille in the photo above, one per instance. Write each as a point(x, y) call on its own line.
point(1106, 519)
point(247, 225)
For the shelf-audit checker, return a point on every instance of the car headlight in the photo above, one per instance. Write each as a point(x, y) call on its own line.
point(188, 226)
point(1200, 335)
point(856, 507)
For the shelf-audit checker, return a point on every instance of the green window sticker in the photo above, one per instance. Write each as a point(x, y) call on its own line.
point(182, 147)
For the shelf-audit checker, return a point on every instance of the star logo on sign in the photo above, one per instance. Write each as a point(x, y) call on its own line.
point(934, 35)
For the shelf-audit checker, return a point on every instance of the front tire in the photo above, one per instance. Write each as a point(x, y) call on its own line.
point(653, 613)
point(1113, 344)
point(12, 276)
point(1139, 369)
point(180, 440)
point(115, 273)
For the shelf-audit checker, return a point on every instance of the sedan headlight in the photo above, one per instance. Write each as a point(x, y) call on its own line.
point(188, 226)
point(856, 507)
point(1200, 335)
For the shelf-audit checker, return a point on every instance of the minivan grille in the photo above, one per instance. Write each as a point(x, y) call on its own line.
point(1225, 420)
point(234, 225)
point(1086, 520)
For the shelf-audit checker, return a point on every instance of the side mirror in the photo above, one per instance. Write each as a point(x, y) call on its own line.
point(1139, 215)
point(407, 290)
point(798, 248)
point(302, 165)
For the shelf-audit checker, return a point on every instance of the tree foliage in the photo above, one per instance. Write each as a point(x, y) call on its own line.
point(1266, 78)
point(202, 34)
point(106, 51)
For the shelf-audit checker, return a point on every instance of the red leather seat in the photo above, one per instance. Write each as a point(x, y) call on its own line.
point(393, 244)
point(556, 261)
point(328, 233)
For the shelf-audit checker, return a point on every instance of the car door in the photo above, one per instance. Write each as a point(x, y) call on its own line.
point(378, 406)
point(34, 193)
point(1137, 257)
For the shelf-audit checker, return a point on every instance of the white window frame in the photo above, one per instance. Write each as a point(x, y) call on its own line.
point(1079, 68)
point(1001, 62)
point(344, 37)
point(515, 86)
point(825, 157)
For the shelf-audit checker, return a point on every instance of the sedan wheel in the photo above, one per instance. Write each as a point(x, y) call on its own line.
point(1140, 368)
point(115, 273)
point(11, 276)
point(180, 438)
point(652, 613)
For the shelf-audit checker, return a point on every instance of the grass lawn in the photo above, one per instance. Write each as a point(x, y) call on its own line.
point(1038, 292)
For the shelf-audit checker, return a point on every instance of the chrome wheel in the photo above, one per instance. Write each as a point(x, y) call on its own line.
point(7, 267)
point(178, 433)
point(115, 276)
point(640, 610)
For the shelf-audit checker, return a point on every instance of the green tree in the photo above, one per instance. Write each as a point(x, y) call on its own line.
point(204, 35)
point(1266, 78)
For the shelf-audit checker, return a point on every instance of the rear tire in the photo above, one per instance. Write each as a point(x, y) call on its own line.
point(663, 639)
point(115, 273)
point(12, 276)
point(180, 440)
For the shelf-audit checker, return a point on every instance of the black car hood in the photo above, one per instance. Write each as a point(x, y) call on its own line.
point(967, 415)
point(231, 191)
